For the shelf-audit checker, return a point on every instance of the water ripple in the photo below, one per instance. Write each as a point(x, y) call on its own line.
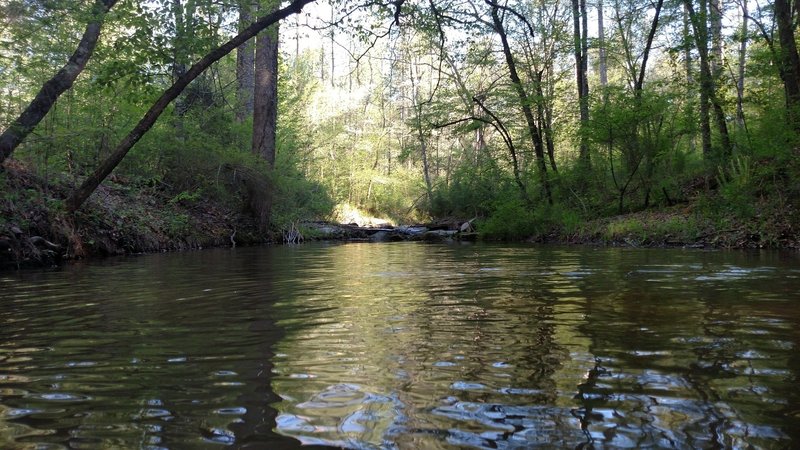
point(404, 346)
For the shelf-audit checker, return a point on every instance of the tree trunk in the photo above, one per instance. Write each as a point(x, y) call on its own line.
point(716, 39)
point(79, 196)
point(742, 60)
point(708, 95)
point(245, 66)
point(639, 85)
point(265, 102)
point(417, 105)
point(790, 62)
point(546, 122)
point(601, 42)
point(581, 45)
point(536, 137)
point(184, 35)
point(690, 94)
point(54, 87)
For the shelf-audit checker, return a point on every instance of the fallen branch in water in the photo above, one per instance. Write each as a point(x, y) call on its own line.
point(293, 236)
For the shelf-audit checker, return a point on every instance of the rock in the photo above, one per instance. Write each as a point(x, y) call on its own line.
point(380, 236)
point(439, 235)
point(467, 226)
point(411, 230)
point(387, 236)
point(328, 231)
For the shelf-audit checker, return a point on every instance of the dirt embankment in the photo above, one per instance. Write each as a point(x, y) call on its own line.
point(118, 219)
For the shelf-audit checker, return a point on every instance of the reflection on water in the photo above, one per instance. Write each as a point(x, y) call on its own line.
point(404, 345)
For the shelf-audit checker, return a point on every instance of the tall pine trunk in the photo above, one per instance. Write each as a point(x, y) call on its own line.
point(601, 43)
point(709, 101)
point(741, 69)
point(790, 62)
point(245, 65)
point(581, 49)
point(265, 95)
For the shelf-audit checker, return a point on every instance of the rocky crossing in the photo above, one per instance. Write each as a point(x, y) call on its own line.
point(438, 232)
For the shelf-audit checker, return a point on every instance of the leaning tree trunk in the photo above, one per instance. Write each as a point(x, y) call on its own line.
point(79, 196)
point(54, 87)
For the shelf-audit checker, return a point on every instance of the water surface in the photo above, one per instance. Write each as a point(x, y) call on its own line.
point(404, 345)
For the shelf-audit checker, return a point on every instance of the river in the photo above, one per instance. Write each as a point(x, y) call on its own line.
point(404, 345)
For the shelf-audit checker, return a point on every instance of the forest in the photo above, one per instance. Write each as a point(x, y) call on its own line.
point(131, 126)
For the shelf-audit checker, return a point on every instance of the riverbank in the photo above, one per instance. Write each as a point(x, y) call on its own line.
point(123, 218)
point(685, 226)
point(677, 226)
point(120, 218)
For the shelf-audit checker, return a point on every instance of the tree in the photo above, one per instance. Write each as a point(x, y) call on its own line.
point(265, 94)
point(636, 129)
point(581, 64)
point(789, 62)
point(533, 129)
point(601, 43)
point(708, 92)
point(743, 38)
point(79, 195)
point(57, 85)
point(245, 65)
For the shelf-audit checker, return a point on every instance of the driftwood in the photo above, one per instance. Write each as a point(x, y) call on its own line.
point(17, 250)
point(41, 242)
point(293, 235)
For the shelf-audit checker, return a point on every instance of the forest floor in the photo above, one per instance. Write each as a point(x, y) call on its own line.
point(121, 218)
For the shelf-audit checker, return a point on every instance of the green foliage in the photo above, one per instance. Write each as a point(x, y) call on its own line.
point(358, 138)
point(631, 228)
point(186, 197)
point(509, 219)
point(736, 188)
point(297, 198)
point(512, 219)
point(471, 192)
point(177, 225)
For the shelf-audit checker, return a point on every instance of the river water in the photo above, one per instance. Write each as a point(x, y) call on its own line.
point(404, 345)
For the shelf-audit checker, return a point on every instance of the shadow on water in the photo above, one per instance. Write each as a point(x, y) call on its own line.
point(404, 345)
point(161, 351)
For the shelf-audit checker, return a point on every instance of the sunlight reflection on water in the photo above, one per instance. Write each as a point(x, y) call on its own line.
point(404, 346)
